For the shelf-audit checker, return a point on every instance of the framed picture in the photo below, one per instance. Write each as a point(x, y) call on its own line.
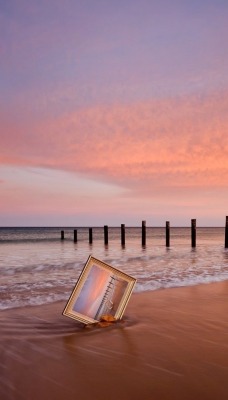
point(100, 290)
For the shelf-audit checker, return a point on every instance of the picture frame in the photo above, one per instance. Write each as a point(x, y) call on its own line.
point(100, 290)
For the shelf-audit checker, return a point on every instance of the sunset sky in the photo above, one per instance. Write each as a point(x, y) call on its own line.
point(113, 112)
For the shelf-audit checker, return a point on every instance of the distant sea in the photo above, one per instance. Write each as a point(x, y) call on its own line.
point(36, 267)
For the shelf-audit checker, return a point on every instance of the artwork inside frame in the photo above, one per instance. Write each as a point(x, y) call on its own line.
point(100, 290)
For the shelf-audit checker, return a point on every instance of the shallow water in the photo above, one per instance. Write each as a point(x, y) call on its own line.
point(37, 267)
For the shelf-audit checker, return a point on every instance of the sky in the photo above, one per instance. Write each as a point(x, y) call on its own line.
point(113, 112)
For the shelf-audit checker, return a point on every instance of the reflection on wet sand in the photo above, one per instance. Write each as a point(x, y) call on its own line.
point(175, 349)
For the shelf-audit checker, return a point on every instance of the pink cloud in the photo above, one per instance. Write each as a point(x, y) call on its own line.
point(172, 142)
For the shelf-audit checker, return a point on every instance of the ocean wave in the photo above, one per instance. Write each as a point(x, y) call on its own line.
point(39, 272)
point(30, 294)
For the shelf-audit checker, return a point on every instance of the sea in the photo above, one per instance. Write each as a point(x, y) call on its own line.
point(37, 267)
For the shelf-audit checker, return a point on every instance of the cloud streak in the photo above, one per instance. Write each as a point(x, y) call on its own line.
point(125, 104)
point(170, 142)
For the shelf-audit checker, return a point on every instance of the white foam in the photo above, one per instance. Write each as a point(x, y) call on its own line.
point(40, 272)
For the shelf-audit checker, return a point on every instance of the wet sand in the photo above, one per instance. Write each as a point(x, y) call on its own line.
point(171, 344)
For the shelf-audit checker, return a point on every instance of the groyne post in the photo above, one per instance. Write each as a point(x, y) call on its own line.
point(90, 235)
point(106, 234)
point(75, 235)
point(167, 233)
point(226, 233)
point(123, 234)
point(143, 233)
point(193, 232)
point(62, 235)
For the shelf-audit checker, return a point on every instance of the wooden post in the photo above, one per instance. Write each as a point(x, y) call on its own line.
point(62, 235)
point(106, 234)
point(75, 235)
point(143, 233)
point(167, 233)
point(122, 234)
point(226, 233)
point(90, 235)
point(193, 232)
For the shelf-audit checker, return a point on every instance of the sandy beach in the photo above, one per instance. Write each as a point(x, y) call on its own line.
point(170, 344)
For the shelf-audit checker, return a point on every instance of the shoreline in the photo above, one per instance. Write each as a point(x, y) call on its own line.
point(135, 292)
point(171, 344)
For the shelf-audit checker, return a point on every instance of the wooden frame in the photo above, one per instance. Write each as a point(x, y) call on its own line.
point(100, 290)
